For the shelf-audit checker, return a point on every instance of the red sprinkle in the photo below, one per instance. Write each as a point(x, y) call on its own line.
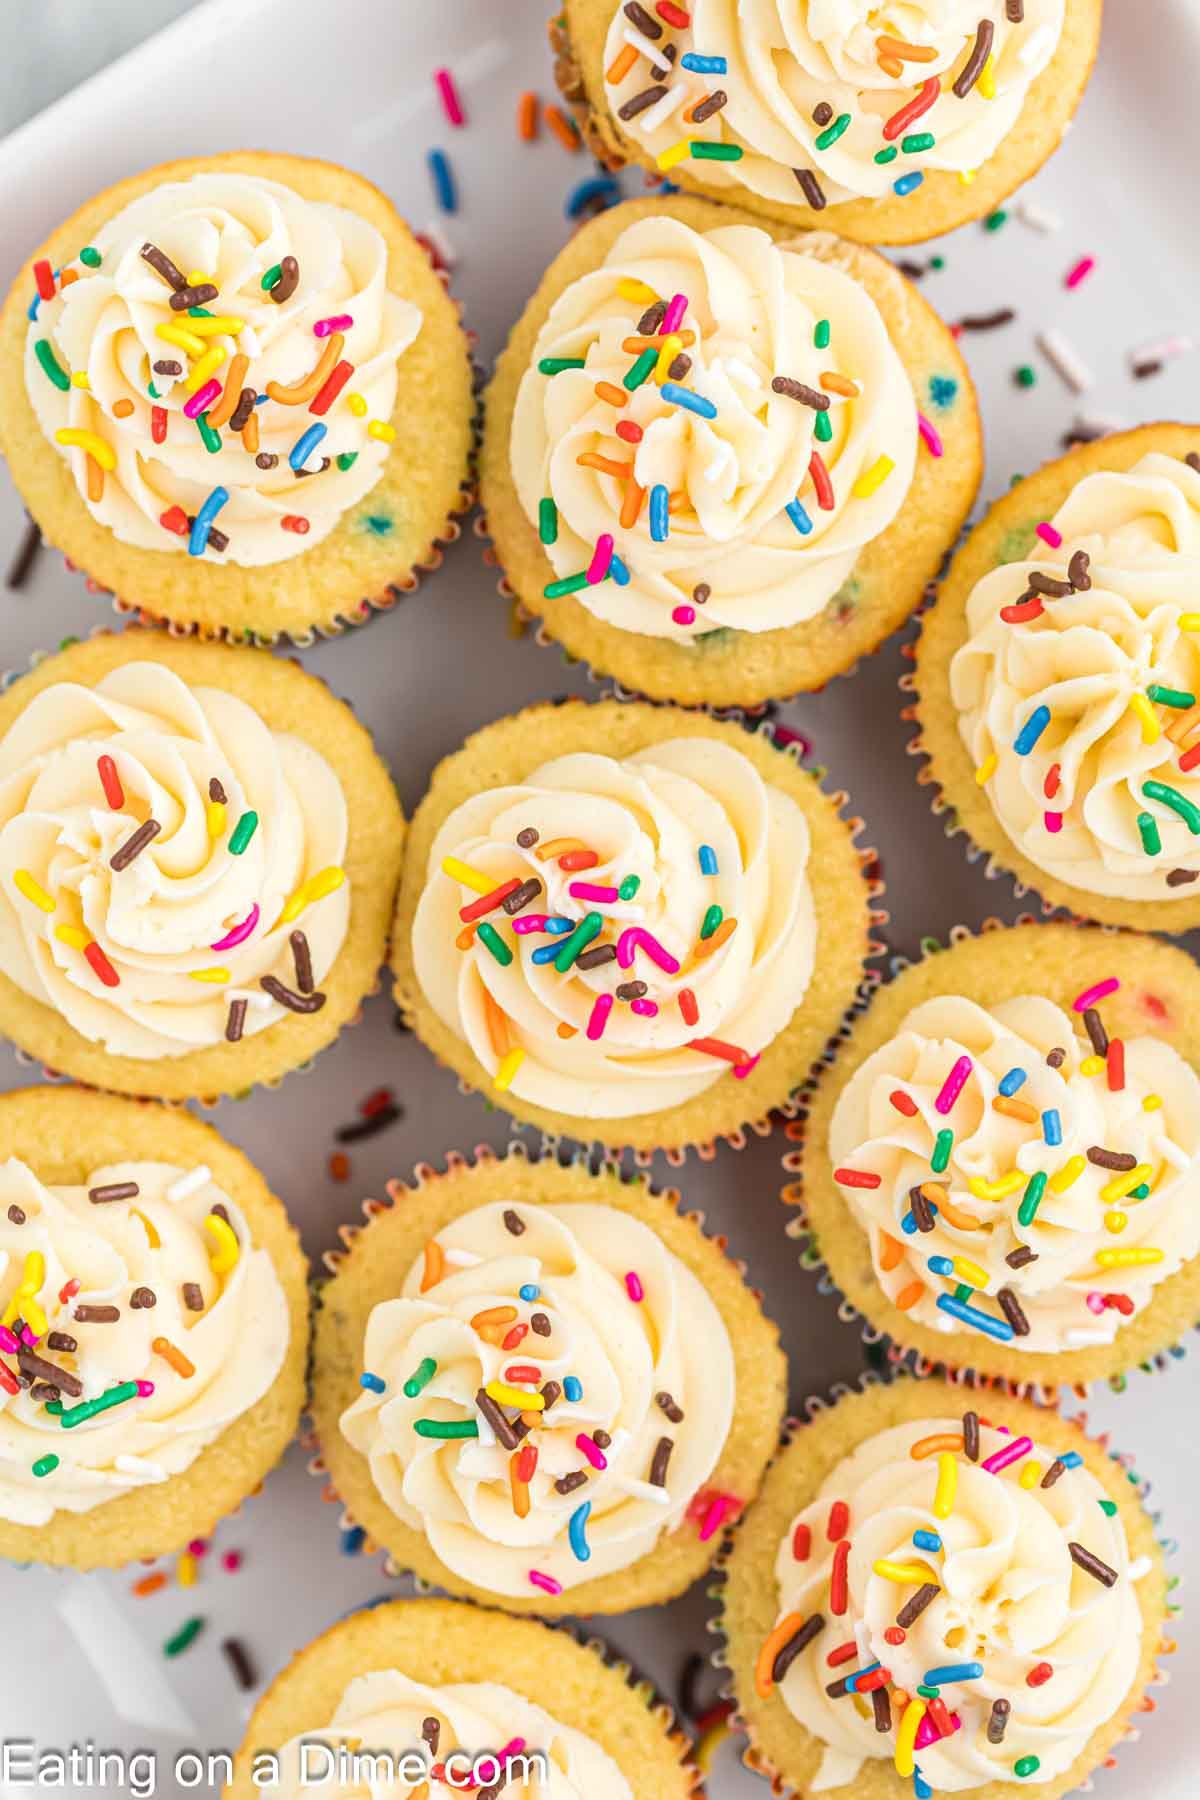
point(924, 99)
point(688, 1009)
point(903, 1103)
point(1121, 1302)
point(101, 966)
point(1190, 758)
point(843, 1653)
point(857, 1178)
point(174, 519)
point(875, 1678)
point(839, 1580)
point(801, 1543)
point(110, 781)
point(718, 1047)
point(522, 1372)
point(515, 1337)
point(575, 860)
point(895, 1634)
point(199, 1546)
point(43, 274)
point(821, 482)
point(1039, 1675)
point(1020, 615)
point(158, 424)
point(630, 430)
point(324, 399)
point(376, 1102)
point(937, 1714)
point(8, 1380)
point(673, 15)
point(68, 1290)
point(232, 1560)
point(839, 1521)
point(1116, 1065)
point(339, 1166)
point(486, 903)
point(295, 522)
point(1053, 781)
point(527, 1458)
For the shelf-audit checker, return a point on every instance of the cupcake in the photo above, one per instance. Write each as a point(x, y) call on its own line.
point(928, 1601)
point(702, 464)
point(1001, 1167)
point(610, 923)
point(154, 1329)
point(890, 125)
point(495, 1704)
point(199, 849)
point(1057, 676)
point(234, 391)
point(542, 1388)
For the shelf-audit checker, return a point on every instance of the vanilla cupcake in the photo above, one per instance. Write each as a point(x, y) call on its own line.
point(154, 1329)
point(1001, 1166)
point(890, 125)
point(629, 924)
point(1057, 680)
point(432, 1684)
point(234, 391)
point(703, 465)
point(543, 1388)
point(931, 1599)
point(198, 854)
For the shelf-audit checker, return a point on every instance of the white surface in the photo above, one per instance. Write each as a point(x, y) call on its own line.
point(353, 82)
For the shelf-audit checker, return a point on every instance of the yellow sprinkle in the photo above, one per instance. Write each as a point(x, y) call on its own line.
point(1125, 1259)
point(185, 1570)
point(996, 1190)
point(987, 768)
point(906, 1737)
point(202, 370)
point(637, 291)
point(214, 816)
point(966, 176)
point(987, 80)
point(503, 1395)
point(22, 1301)
point(1092, 1065)
point(225, 1256)
point(469, 877)
point(1152, 1102)
point(1115, 1221)
point(79, 379)
point(1151, 729)
point(1068, 1175)
point(1030, 1475)
point(73, 936)
point(676, 154)
point(1189, 621)
point(671, 346)
point(25, 884)
point(316, 888)
point(90, 441)
point(709, 1742)
point(947, 1485)
point(216, 975)
point(357, 404)
point(1122, 1184)
point(222, 323)
point(874, 478)
point(508, 1067)
point(966, 1270)
point(903, 1573)
point(33, 1274)
point(200, 278)
point(380, 429)
point(34, 1317)
point(186, 340)
point(152, 1237)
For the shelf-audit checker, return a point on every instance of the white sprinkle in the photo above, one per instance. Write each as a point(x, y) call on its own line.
point(661, 111)
point(642, 1490)
point(1161, 349)
point(1064, 361)
point(255, 999)
point(633, 36)
point(189, 1184)
point(137, 1465)
point(1141, 1567)
point(1038, 46)
point(463, 1259)
point(722, 460)
point(1081, 1339)
point(1040, 217)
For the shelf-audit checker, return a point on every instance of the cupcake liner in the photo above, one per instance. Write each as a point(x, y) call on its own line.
point(754, 1758)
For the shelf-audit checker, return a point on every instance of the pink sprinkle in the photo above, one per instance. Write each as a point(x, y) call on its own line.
point(8, 1341)
point(600, 1010)
point(547, 1583)
point(634, 1288)
point(1049, 536)
point(452, 107)
point(240, 933)
point(722, 1507)
point(339, 322)
point(591, 1450)
point(1053, 821)
point(684, 615)
point(1091, 995)
point(785, 735)
point(1080, 271)
point(145, 1389)
point(530, 922)
point(645, 1009)
point(636, 936)
point(588, 890)
point(1095, 1303)
point(741, 1070)
point(928, 1733)
point(953, 1085)
point(1007, 1453)
point(201, 400)
point(601, 561)
point(232, 1560)
point(929, 435)
point(27, 1338)
point(199, 1546)
point(673, 317)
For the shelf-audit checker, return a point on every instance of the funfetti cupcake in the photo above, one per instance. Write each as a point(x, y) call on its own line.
point(543, 1388)
point(435, 1685)
point(942, 1592)
point(1057, 680)
point(629, 924)
point(1001, 1166)
point(887, 124)
point(153, 1328)
point(234, 391)
point(721, 459)
point(199, 850)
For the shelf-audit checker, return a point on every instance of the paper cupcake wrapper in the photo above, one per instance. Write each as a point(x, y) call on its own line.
point(754, 1758)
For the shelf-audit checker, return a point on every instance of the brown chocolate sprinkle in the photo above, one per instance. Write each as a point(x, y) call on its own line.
point(1091, 1564)
point(133, 846)
point(168, 367)
point(637, 15)
point(922, 1211)
point(798, 1642)
point(239, 1662)
point(1193, 461)
point(216, 539)
point(539, 1324)
point(184, 297)
point(997, 1723)
point(551, 1392)
point(302, 959)
point(1057, 1468)
point(701, 592)
point(23, 557)
point(660, 1461)
point(680, 366)
point(368, 1127)
point(814, 193)
point(797, 390)
point(142, 1299)
point(235, 1024)
point(216, 792)
point(639, 102)
point(1021, 1257)
point(220, 1211)
point(1077, 571)
point(631, 990)
point(431, 1734)
point(62, 1340)
point(1181, 877)
point(48, 1371)
point(15, 1216)
point(193, 1298)
point(1094, 1026)
point(116, 1190)
point(527, 838)
point(837, 1690)
point(1110, 1159)
point(1004, 315)
point(1014, 11)
point(570, 1482)
point(1056, 1058)
point(710, 105)
point(972, 69)
point(514, 1223)
point(601, 1440)
point(301, 473)
point(96, 1315)
point(1049, 586)
point(912, 1609)
point(496, 1419)
point(882, 1707)
point(298, 1003)
point(970, 1425)
point(289, 281)
point(266, 459)
point(243, 409)
point(1013, 1311)
point(822, 113)
point(44, 1390)
point(652, 318)
point(161, 263)
point(522, 897)
point(593, 959)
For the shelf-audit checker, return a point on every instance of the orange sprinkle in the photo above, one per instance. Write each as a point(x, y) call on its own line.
point(558, 847)
point(149, 1584)
point(772, 1645)
point(909, 1296)
point(566, 1031)
point(165, 1348)
point(891, 1252)
point(223, 411)
point(250, 435)
point(435, 1266)
point(563, 129)
point(497, 1024)
point(891, 65)
point(339, 1166)
point(465, 938)
point(520, 1489)
point(678, 502)
point(608, 390)
point(904, 51)
point(122, 409)
point(631, 505)
point(940, 1442)
point(67, 277)
point(494, 1315)
point(834, 383)
point(620, 65)
point(95, 479)
point(1015, 1109)
point(634, 345)
point(953, 1215)
point(605, 464)
point(527, 116)
point(721, 935)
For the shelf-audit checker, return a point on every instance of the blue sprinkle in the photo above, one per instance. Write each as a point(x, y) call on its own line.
point(353, 1539)
point(262, 399)
point(443, 181)
point(981, 1321)
point(941, 1265)
point(675, 395)
point(586, 192)
point(1016, 1078)
point(618, 571)
point(1071, 1459)
point(556, 927)
point(909, 1224)
point(32, 311)
point(198, 537)
point(659, 517)
point(572, 1388)
point(799, 517)
point(708, 860)
point(908, 183)
point(927, 1540)
point(921, 1787)
point(947, 1672)
point(852, 1681)
point(577, 1530)
point(703, 65)
point(529, 1292)
point(1031, 730)
point(305, 444)
point(1052, 1127)
point(372, 1382)
point(943, 390)
point(545, 954)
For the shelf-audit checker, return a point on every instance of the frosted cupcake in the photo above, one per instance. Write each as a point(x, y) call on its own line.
point(441, 1685)
point(1002, 1165)
point(198, 854)
point(890, 125)
point(1057, 679)
point(542, 1388)
point(703, 465)
point(154, 1329)
point(934, 1599)
point(234, 391)
point(629, 924)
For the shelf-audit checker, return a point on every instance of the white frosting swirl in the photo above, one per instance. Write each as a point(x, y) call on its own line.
point(158, 920)
point(752, 312)
point(646, 817)
point(107, 1250)
point(621, 1351)
point(1076, 804)
point(228, 230)
point(1010, 1597)
point(385, 1713)
point(1060, 1294)
point(786, 58)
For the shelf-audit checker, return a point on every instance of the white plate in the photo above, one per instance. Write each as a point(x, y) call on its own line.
point(352, 81)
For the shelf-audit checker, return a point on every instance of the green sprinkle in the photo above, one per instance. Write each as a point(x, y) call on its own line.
point(1138, 1193)
point(1169, 796)
point(995, 220)
point(944, 1143)
point(490, 938)
point(705, 152)
point(45, 1465)
point(1166, 696)
point(75, 1415)
point(554, 365)
point(641, 370)
point(1109, 1508)
point(1032, 1198)
point(821, 334)
point(570, 584)
point(887, 155)
point(712, 919)
point(446, 1428)
point(547, 521)
point(833, 132)
point(822, 428)
point(54, 1406)
point(588, 928)
point(629, 887)
point(272, 276)
point(187, 1634)
point(51, 365)
point(1151, 841)
point(1025, 376)
point(937, 262)
point(212, 439)
point(929, 1693)
point(421, 1377)
point(1027, 1765)
point(918, 140)
point(347, 459)
point(242, 832)
point(199, 312)
point(152, 390)
point(90, 257)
